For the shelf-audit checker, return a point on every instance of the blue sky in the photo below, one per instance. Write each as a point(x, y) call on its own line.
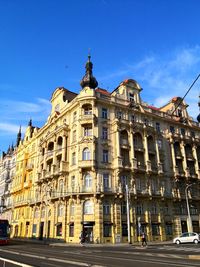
point(44, 44)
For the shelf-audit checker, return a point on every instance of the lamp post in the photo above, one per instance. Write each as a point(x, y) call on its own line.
point(128, 214)
point(189, 222)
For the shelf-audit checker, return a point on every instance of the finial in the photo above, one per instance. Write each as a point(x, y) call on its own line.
point(30, 123)
point(88, 79)
point(19, 135)
point(198, 117)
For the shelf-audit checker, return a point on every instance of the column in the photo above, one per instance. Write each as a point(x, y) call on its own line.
point(118, 143)
point(182, 146)
point(196, 165)
point(173, 154)
point(54, 152)
point(64, 148)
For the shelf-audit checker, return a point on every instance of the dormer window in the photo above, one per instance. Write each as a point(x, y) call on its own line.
point(179, 113)
point(131, 97)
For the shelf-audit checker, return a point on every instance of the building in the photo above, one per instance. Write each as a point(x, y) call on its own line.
point(71, 174)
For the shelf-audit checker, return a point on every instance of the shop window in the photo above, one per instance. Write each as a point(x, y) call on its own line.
point(71, 230)
point(107, 230)
point(59, 229)
point(124, 229)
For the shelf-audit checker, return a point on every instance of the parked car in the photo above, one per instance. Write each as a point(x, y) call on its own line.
point(187, 238)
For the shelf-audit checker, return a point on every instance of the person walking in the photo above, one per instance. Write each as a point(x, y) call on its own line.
point(82, 238)
point(144, 239)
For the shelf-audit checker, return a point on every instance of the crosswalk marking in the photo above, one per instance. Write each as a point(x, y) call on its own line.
point(192, 249)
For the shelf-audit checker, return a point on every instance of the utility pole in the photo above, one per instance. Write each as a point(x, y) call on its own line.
point(128, 214)
point(190, 228)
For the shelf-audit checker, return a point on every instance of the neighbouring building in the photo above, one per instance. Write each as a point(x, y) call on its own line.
point(71, 174)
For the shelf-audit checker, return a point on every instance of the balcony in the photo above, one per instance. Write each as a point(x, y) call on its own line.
point(124, 143)
point(87, 164)
point(139, 147)
point(87, 118)
point(49, 154)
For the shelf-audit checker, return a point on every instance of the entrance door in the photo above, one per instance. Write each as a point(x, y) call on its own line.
point(88, 230)
point(41, 230)
point(184, 226)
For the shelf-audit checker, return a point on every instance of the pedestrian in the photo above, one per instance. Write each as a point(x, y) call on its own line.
point(82, 238)
point(144, 239)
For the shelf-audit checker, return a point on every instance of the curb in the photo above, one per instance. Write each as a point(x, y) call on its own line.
point(193, 257)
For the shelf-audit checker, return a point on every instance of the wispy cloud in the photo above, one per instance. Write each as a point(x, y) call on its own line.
point(15, 113)
point(164, 76)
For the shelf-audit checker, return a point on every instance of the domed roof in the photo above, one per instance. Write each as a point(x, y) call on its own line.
point(88, 79)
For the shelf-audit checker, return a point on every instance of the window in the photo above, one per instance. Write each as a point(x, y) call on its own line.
point(123, 208)
point(154, 208)
point(139, 209)
point(74, 136)
point(74, 116)
point(193, 134)
point(59, 229)
point(86, 154)
point(36, 213)
point(105, 156)
point(88, 130)
point(73, 183)
point(172, 130)
point(182, 131)
point(119, 115)
point(72, 209)
point(105, 133)
point(88, 110)
point(106, 208)
point(106, 181)
point(60, 210)
point(158, 127)
point(88, 207)
point(124, 229)
point(123, 181)
point(107, 230)
point(71, 230)
point(43, 212)
point(168, 229)
point(34, 230)
point(131, 97)
point(74, 158)
point(155, 229)
point(104, 113)
point(60, 187)
point(88, 181)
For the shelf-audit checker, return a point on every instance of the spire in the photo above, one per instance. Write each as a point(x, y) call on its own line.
point(88, 79)
point(19, 135)
point(198, 117)
point(30, 123)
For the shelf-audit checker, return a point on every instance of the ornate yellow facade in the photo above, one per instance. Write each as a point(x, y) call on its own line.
point(72, 173)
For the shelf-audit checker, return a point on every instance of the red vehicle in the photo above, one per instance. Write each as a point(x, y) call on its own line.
point(4, 232)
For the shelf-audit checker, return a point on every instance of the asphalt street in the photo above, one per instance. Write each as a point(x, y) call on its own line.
point(60, 255)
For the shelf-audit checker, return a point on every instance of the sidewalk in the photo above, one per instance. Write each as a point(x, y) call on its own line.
point(62, 243)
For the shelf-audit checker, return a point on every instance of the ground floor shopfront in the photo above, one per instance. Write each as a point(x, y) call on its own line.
point(103, 220)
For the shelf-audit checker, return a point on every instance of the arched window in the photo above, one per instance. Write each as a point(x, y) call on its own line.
point(36, 214)
point(60, 210)
point(59, 143)
point(86, 154)
point(88, 207)
point(88, 181)
point(61, 187)
point(72, 209)
point(43, 212)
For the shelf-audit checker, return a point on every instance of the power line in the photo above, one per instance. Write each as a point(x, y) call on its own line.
point(181, 100)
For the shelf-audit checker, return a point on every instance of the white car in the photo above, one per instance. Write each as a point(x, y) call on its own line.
point(187, 238)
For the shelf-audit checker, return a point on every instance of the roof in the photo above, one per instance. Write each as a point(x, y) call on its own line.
point(102, 91)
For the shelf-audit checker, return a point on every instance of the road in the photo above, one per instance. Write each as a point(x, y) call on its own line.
point(39, 255)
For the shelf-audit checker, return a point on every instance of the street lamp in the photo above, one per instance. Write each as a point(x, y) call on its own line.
point(189, 222)
point(128, 214)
